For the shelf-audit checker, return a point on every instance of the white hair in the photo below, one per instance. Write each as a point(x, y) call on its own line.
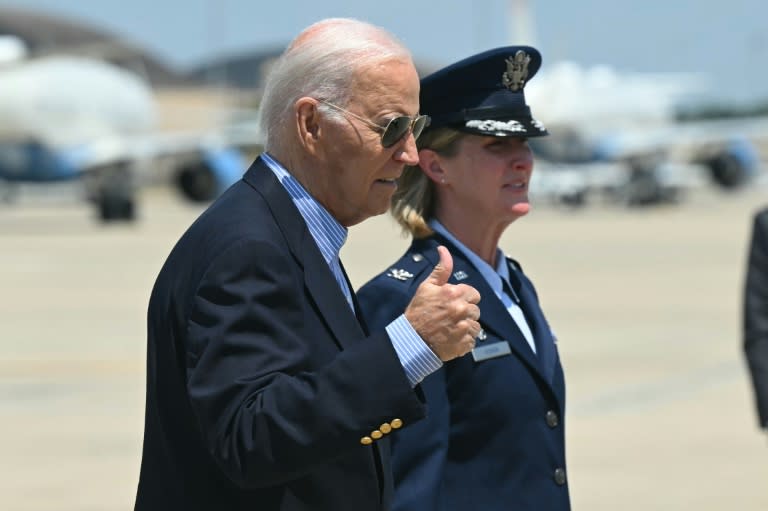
point(321, 63)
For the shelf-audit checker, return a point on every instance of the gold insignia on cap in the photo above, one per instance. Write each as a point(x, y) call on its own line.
point(517, 71)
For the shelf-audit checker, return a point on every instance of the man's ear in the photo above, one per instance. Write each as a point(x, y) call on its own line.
point(308, 123)
point(430, 164)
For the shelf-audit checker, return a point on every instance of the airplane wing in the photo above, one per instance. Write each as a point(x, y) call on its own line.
point(70, 117)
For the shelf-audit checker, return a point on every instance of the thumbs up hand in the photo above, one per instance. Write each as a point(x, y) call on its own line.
point(445, 315)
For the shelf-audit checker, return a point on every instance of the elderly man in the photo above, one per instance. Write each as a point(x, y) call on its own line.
point(264, 390)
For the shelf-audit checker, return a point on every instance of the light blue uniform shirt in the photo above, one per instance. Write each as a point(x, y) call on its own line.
point(417, 359)
point(495, 279)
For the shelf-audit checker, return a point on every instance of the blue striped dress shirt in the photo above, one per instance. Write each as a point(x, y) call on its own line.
point(417, 359)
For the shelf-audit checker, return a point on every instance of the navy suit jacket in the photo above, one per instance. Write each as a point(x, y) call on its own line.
point(494, 434)
point(756, 314)
point(261, 382)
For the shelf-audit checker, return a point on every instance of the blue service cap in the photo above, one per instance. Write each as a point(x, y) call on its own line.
point(483, 94)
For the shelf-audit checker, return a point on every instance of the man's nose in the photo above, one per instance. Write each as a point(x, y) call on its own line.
point(408, 153)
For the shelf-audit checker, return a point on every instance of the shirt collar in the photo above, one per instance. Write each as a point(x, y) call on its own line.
point(491, 276)
point(327, 232)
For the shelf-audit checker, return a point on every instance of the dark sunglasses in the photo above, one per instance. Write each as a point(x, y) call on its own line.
point(395, 129)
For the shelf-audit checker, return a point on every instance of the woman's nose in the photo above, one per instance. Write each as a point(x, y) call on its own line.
point(523, 159)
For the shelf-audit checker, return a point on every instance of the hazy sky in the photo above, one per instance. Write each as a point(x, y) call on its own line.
point(726, 41)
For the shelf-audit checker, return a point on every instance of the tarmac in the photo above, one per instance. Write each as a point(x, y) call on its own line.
point(645, 304)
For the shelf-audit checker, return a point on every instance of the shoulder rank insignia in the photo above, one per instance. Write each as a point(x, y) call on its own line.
point(399, 274)
point(460, 275)
point(517, 71)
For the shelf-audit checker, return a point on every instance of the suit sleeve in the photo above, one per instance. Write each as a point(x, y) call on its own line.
point(420, 450)
point(756, 314)
point(266, 413)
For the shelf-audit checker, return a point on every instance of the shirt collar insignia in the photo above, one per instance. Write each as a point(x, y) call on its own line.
point(460, 275)
point(399, 274)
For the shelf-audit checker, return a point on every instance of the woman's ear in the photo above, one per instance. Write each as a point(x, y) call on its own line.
point(308, 123)
point(430, 163)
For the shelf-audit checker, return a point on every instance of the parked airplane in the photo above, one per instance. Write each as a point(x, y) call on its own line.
point(616, 131)
point(623, 125)
point(67, 118)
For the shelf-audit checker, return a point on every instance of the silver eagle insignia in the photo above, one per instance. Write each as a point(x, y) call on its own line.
point(460, 275)
point(517, 71)
point(399, 274)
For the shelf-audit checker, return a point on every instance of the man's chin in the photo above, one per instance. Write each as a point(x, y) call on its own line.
point(363, 216)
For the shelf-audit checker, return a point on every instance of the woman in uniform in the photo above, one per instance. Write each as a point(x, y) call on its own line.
point(494, 435)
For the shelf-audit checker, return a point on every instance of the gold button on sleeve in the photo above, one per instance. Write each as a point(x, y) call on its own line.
point(396, 423)
point(366, 440)
point(385, 428)
point(376, 434)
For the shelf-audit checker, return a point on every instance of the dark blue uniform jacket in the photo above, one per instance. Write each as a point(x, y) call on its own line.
point(494, 435)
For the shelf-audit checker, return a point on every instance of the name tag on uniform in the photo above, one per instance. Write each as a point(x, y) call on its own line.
point(497, 349)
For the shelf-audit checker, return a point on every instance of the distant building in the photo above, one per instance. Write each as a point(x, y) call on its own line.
point(244, 71)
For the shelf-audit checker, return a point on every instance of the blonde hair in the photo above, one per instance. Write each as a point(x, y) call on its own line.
point(413, 203)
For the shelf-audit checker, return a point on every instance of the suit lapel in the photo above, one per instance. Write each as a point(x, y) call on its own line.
point(322, 287)
point(355, 303)
point(495, 317)
point(545, 344)
point(328, 297)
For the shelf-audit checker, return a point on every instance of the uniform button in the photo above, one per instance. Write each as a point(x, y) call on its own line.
point(396, 423)
point(417, 257)
point(366, 440)
point(560, 476)
point(376, 434)
point(385, 428)
point(552, 420)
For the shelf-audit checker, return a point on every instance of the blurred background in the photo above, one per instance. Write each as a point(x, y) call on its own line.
point(120, 121)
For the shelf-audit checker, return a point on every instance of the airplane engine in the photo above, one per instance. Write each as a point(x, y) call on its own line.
point(204, 179)
point(732, 165)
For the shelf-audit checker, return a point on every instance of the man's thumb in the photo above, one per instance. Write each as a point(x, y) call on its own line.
point(443, 269)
